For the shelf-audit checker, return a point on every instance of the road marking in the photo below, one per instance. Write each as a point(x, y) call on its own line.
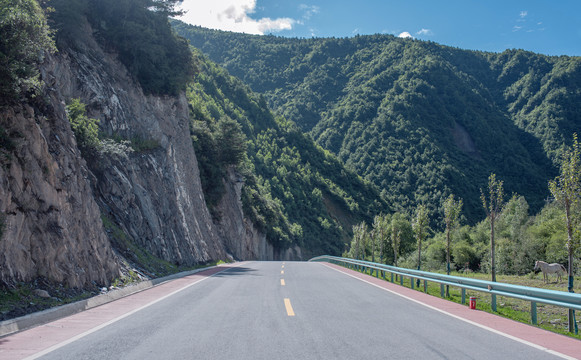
point(282, 272)
point(289, 308)
point(498, 332)
point(283, 266)
point(282, 282)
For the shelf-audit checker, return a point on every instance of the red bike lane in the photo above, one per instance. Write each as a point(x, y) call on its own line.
point(35, 342)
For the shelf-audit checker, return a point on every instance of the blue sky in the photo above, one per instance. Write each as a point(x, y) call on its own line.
point(543, 26)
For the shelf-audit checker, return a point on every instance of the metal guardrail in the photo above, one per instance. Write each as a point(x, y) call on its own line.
point(534, 295)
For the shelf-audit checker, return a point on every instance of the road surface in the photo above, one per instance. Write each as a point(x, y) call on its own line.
point(285, 310)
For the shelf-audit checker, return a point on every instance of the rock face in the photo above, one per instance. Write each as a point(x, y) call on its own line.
point(241, 238)
point(153, 194)
point(51, 200)
point(51, 223)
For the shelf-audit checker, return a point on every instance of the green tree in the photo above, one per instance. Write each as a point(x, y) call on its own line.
point(401, 235)
point(25, 39)
point(421, 227)
point(566, 189)
point(86, 130)
point(381, 224)
point(231, 142)
point(452, 209)
point(493, 204)
point(360, 233)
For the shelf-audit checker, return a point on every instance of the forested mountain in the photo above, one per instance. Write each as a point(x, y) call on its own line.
point(294, 191)
point(417, 119)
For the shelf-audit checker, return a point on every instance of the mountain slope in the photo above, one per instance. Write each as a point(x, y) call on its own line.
point(294, 191)
point(418, 119)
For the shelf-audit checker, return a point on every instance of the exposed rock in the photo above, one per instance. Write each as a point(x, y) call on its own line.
point(240, 236)
point(41, 293)
point(155, 196)
point(52, 225)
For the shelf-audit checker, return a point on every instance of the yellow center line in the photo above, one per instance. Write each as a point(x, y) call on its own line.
point(289, 308)
point(282, 272)
point(283, 266)
point(281, 282)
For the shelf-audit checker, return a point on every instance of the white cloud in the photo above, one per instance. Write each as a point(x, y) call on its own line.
point(523, 14)
point(405, 35)
point(516, 28)
point(426, 32)
point(309, 10)
point(231, 15)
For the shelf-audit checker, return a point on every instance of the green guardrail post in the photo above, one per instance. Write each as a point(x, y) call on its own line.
point(377, 273)
point(533, 313)
point(401, 280)
point(412, 281)
point(442, 290)
point(391, 277)
point(463, 296)
point(426, 286)
point(493, 303)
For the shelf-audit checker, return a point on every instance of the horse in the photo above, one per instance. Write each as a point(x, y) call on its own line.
point(550, 269)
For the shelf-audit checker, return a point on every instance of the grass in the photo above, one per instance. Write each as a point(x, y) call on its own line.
point(549, 317)
point(19, 299)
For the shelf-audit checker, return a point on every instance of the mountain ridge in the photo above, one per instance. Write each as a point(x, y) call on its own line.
point(375, 97)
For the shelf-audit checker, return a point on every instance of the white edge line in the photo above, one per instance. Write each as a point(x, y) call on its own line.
point(97, 328)
point(522, 341)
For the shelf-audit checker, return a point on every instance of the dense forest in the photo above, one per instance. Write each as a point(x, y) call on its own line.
point(294, 191)
point(417, 119)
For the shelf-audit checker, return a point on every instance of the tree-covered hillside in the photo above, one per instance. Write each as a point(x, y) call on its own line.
point(294, 191)
point(418, 119)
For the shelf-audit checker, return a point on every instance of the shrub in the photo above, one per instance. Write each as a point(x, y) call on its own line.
point(86, 130)
point(24, 40)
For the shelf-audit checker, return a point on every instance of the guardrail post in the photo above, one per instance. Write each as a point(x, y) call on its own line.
point(533, 313)
point(412, 281)
point(377, 273)
point(493, 303)
point(463, 296)
point(442, 290)
point(391, 277)
point(426, 286)
point(401, 280)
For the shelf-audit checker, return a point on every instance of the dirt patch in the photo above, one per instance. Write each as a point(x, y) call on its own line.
point(464, 141)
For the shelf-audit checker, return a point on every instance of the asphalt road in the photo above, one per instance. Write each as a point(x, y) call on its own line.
point(242, 313)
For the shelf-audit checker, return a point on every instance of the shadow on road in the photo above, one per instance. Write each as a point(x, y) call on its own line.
point(235, 271)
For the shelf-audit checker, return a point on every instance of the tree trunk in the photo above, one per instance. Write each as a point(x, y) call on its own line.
point(448, 258)
point(492, 262)
point(571, 317)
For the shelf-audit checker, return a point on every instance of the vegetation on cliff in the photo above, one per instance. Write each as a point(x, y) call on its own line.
point(139, 32)
point(25, 38)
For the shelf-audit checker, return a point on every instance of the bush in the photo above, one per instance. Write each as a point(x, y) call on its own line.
point(86, 130)
point(24, 40)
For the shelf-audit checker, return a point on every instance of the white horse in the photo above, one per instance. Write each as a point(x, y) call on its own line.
point(550, 269)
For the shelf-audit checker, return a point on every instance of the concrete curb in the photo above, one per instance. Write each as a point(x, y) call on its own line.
point(11, 326)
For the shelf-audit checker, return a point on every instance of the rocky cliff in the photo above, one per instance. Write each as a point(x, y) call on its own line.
point(153, 194)
point(145, 178)
point(51, 223)
point(240, 236)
